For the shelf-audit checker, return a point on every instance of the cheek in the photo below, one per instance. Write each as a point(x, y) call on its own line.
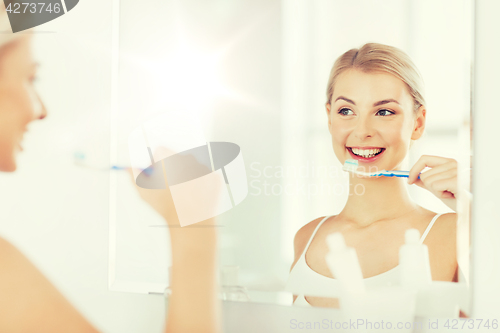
point(21, 105)
point(339, 132)
point(28, 103)
point(16, 108)
point(396, 133)
point(393, 136)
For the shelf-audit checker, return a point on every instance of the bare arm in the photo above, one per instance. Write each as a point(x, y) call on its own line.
point(29, 302)
point(300, 241)
point(194, 305)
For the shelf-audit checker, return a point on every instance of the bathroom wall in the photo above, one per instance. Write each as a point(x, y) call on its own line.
point(485, 214)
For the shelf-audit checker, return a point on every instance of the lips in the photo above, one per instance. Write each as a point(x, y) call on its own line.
point(363, 159)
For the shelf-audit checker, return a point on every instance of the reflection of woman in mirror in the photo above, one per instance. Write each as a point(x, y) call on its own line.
point(376, 108)
point(29, 302)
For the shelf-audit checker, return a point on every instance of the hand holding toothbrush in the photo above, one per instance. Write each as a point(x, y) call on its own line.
point(161, 200)
point(440, 180)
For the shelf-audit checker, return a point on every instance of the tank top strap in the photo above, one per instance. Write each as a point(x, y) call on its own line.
point(314, 233)
point(429, 227)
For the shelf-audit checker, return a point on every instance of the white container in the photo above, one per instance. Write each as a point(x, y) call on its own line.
point(414, 264)
point(230, 289)
point(383, 307)
point(438, 303)
point(168, 290)
point(442, 299)
point(344, 265)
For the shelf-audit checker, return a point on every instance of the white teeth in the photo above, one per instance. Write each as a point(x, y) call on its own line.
point(366, 152)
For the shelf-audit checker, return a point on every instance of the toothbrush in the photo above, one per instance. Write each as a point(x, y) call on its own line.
point(79, 159)
point(351, 165)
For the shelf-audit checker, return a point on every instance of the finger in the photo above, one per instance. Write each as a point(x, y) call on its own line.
point(447, 170)
point(439, 186)
point(444, 188)
point(419, 183)
point(445, 185)
point(424, 161)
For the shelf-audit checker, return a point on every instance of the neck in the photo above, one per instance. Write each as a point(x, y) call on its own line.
point(372, 199)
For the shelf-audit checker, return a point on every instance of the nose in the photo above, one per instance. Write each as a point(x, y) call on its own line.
point(42, 111)
point(363, 128)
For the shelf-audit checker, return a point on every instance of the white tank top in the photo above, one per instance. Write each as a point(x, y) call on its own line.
point(304, 281)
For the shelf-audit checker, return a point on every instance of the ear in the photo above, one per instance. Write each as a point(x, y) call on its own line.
point(419, 123)
point(328, 109)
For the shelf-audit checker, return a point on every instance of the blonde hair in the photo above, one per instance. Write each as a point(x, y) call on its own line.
point(374, 57)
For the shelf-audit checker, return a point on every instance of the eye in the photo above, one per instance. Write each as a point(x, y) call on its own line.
point(385, 110)
point(343, 110)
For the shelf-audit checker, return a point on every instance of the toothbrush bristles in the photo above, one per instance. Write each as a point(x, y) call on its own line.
point(350, 165)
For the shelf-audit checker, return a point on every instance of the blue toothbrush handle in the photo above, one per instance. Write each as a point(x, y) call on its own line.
point(147, 171)
point(396, 173)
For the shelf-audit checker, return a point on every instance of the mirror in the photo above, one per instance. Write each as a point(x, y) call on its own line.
point(256, 72)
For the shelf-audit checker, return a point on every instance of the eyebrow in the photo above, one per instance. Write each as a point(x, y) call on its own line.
point(385, 101)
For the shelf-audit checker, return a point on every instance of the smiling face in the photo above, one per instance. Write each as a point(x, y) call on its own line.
point(373, 113)
point(19, 102)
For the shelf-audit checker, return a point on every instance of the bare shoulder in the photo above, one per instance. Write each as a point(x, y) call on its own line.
point(449, 218)
point(302, 237)
point(25, 290)
point(9, 254)
point(446, 224)
point(442, 242)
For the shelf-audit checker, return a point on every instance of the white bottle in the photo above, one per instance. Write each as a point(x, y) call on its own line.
point(415, 270)
point(168, 291)
point(344, 265)
point(230, 289)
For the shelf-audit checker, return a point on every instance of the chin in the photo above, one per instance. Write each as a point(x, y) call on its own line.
point(8, 164)
point(7, 169)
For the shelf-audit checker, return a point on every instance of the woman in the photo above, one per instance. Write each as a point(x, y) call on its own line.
point(376, 110)
point(28, 301)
